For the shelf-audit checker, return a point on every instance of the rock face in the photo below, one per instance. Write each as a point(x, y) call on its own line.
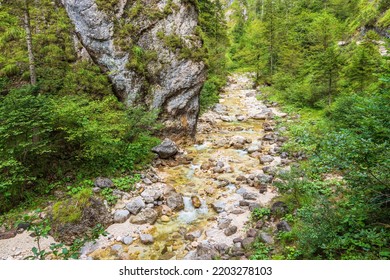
point(136, 51)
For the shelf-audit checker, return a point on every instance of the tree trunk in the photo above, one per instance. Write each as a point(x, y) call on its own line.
point(31, 58)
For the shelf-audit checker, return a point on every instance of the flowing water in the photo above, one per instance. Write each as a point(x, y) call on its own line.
point(213, 145)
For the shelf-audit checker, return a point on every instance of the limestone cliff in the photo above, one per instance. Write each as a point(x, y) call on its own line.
point(151, 52)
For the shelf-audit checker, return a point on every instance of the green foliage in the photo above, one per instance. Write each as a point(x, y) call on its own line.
point(109, 196)
point(259, 213)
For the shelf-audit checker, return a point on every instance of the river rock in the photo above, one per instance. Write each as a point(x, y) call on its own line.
point(103, 183)
point(206, 251)
point(254, 148)
point(175, 201)
point(251, 232)
point(266, 159)
point(193, 235)
point(117, 248)
point(150, 195)
point(196, 201)
point(266, 238)
point(230, 230)
point(146, 239)
point(146, 216)
point(238, 141)
point(166, 149)
point(219, 206)
point(278, 208)
point(264, 178)
point(127, 240)
point(224, 223)
point(135, 205)
point(243, 203)
point(247, 242)
point(250, 196)
point(120, 216)
point(268, 137)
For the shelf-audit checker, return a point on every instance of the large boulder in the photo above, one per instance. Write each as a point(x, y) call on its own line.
point(166, 149)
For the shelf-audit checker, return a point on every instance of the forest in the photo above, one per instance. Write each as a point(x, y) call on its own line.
point(325, 62)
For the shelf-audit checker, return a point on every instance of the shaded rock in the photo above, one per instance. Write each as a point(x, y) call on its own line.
point(166, 149)
point(8, 234)
point(146, 239)
point(146, 216)
point(135, 205)
point(120, 216)
point(283, 226)
point(230, 230)
point(175, 201)
point(218, 206)
point(196, 201)
point(102, 183)
point(259, 224)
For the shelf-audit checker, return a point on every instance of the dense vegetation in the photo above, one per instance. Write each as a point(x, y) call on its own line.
point(322, 60)
point(60, 122)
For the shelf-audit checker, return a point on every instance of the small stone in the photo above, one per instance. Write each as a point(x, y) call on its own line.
point(224, 223)
point(194, 244)
point(241, 178)
point(247, 242)
point(135, 205)
point(266, 238)
point(243, 203)
point(103, 183)
point(147, 181)
point(230, 230)
point(237, 240)
point(218, 206)
point(196, 201)
point(146, 239)
point(266, 159)
point(193, 235)
point(165, 210)
point(237, 211)
point(120, 216)
point(259, 224)
point(250, 196)
point(117, 248)
point(150, 195)
point(127, 240)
